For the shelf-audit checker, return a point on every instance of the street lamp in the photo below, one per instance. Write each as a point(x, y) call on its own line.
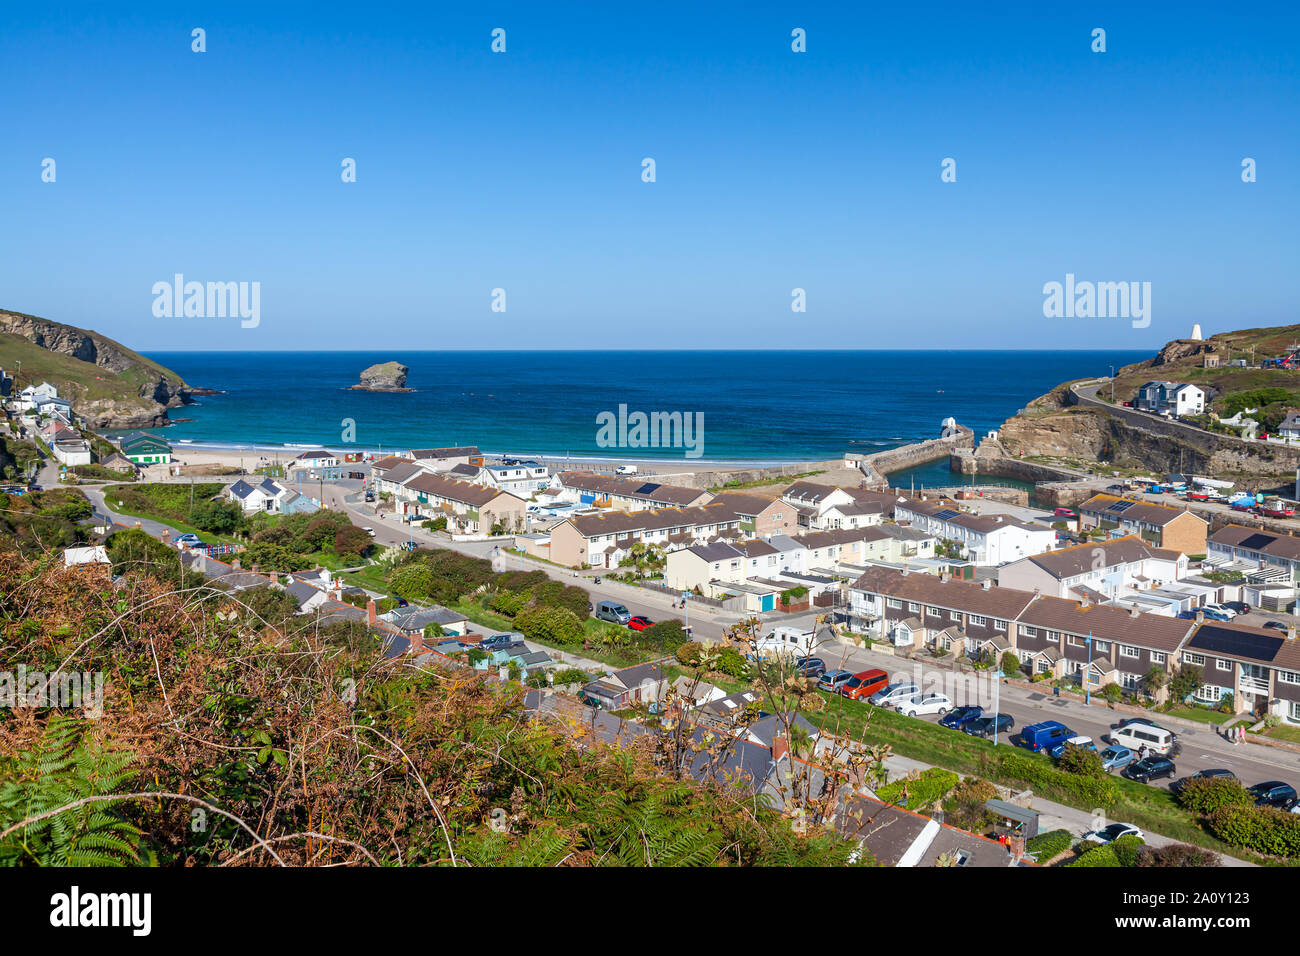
point(1087, 675)
point(1112, 385)
point(997, 687)
point(687, 608)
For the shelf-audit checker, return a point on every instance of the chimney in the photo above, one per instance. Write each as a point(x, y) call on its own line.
point(1290, 633)
point(234, 564)
point(943, 575)
point(1133, 611)
point(780, 748)
point(1084, 603)
point(1200, 617)
point(372, 615)
point(256, 569)
point(986, 584)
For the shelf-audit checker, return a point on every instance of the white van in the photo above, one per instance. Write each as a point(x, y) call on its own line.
point(786, 641)
point(625, 470)
point(1157, 740)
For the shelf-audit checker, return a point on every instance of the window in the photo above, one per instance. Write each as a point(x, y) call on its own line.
point(1157, 657)
point(1101, 647)
point(1041, 666)
point(913, 607)
point(1028, 631)
point(932, 610)
point(999, 625)
point(1225, 665)
point(977, 621)
point(1126, 650)
point(893, 602)
point(1130, 681)
point(1210, 693)
point(1074, 641)
point(1288, 677)
point(1197, 659)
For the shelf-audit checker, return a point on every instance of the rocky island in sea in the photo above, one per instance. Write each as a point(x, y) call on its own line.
point(384, 377)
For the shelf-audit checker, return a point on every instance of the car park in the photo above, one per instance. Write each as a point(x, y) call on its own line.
point(1210, 774)
point(1045, 735)
point(1150, 768)
point(1109, 834)
point(639, 622)
point(833, 680)
point(810, 666)
point(1116, 757)
point(925, 704)
point(864, 684)
point(989, 726)
point(956, 719)
point(1078, 740)
point(892, 694)
point(1273, 793)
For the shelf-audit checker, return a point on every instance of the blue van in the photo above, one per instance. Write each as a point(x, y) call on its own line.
point(1045, 736)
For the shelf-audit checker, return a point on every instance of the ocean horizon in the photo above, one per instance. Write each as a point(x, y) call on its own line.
point(751, 406)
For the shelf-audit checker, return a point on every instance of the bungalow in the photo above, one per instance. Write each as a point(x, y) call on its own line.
point(118, 462)
point(318, 464)
point(69, 447)
point(412, 620)
point(265, 496)
point(142, 448)
point(1176, 529)
point(713, 568)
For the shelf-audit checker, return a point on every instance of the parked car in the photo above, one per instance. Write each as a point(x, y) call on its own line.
point(1137, 734)
point(1240, 607)
point(1113, 832)
point(833, 680)
point(369, 531)
point(613, 612)
point(960, 717)
point(1212, 774)
point(638, 622)
point(1078, 740)
point(1220, 609)
point(1273, 793)
point(1213, 614)
point(810, 666)
point(891, 694)
point(188, 540)
point(409, 546)
point(496, 640)
point(1116, 757)
point(865, 684)
point(989, 725)
point(925, 704)
point(625, 470)
point(1067, 513)
point(1045, 735)
point(1275, 625)
point(1152, 768)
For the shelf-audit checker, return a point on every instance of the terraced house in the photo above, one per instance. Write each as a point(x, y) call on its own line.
point(1262, 555)
point(1259, 667)
point(1177, 529)
point(824, 507)
point(985, 539)
point(1100, 570)
point(589, 488)
point(469, 508)
point(602, 540)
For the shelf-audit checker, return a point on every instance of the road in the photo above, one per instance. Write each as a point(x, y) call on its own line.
point(1203, 748)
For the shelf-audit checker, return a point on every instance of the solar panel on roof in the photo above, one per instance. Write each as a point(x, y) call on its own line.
point(1222, 641)
point(946, 513)
point(1120, 507)
point(1257, 542)
point(647, 488)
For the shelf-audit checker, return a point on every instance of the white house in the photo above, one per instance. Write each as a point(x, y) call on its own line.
point(1106, 569)
point(266, 496)
point(524, 479)
point(28, 397)
point(1173, 398)
point(69, 447)
point(985, 539)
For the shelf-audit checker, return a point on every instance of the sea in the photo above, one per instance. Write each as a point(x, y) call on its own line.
point(749, 407)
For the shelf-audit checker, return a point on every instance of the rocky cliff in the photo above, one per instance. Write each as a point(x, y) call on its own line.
point(108, 384)
point(384, 377)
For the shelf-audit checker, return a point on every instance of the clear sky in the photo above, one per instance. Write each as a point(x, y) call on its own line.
point(774, 170)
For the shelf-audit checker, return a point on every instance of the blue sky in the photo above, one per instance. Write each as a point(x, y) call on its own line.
point(775, 170)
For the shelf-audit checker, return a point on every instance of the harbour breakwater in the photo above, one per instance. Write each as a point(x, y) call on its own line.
point(876, 466)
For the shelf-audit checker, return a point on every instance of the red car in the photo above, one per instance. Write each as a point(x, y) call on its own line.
point(639, 623)
point(863, 685)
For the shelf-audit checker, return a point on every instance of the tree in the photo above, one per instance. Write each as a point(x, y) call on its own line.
point(351, 541)
point(553, 625)
point(1010, 663)
point(1081, 761)
point(1185, 682)
point(216, 517)
point(272, 557)
point(1155, 679)
point(414, 582)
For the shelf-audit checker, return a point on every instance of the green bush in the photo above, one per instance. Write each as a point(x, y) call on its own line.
point(689, 653)
point(924, 792)
point(1049, 845)
point(271, 557)
point(1204, 796)
point(1099, 856)
point(1100, 791)
point(965, 806)
point(551, 624)
point(571, 675)
point(1262, 829)
point(1177, 855)
point(1081, 761)
point(1128, 849)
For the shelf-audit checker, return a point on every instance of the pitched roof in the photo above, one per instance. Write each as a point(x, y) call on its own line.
point(402, 473)
point(651, 519)
point(317, 453)
point(1108, 623)
point(1068, 562)
point(1253, 539)
point(456, 451)
point(639, 490)
point(1130, 509)
point(946, 511)
point(822, 539)
point(453, 490)
point(389, 461)
point(1005, 603)
point(1256, 645)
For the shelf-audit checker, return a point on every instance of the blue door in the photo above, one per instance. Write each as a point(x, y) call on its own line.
point(769, 601)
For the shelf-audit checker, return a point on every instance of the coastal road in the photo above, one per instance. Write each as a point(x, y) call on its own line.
point(1203, 748)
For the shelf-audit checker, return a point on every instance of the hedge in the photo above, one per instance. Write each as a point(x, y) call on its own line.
point(1262, 829)
point(1206, 795)
point(1098, 856)
point(1049, 845)
point(925, 791)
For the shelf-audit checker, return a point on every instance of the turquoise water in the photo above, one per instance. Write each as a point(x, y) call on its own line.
point(757, 406)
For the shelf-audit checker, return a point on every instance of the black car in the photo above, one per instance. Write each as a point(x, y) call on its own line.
point(1275, 625)
point(961, 716)
point(1241, 607)
point(1215, 774)
point(989, 726)
point(1152, 768)
point(1273, 793)
point(810, 667)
